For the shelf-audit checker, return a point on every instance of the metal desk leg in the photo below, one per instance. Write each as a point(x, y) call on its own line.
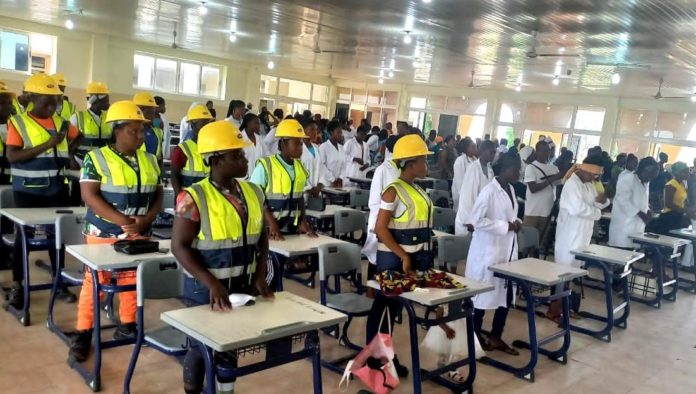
point(415, 355)
point(95, 383)
point(660, 262)
point(209, 358)
point(23, 314)
point(690, 284)
point(316, 368)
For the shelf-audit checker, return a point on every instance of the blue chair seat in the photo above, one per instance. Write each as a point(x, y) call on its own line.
point(167, 339)
point(351, 303)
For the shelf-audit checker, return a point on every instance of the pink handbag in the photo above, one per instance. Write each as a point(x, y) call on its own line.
point(374, 365)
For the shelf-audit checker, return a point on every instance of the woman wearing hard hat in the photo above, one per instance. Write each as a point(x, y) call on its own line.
point(153, 135)
point(64, 108)
point(39, 145)
point(188, 166)
point(6, 111)
point(92, 122)
point(120, 186)
point(219, 234)
point(403, 227)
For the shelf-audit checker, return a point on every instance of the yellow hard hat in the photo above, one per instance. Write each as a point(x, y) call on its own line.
point(144, 99)
point(5, 90)
point(60, 79)
point(124, 110)
point(42, 84)
point(220, 136)
point(410, 146)
point(95, 87)
point(198, 112)
point(290, 128)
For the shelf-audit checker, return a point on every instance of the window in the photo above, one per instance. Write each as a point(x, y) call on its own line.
point(589, 118)
point(418, 102)
point(27, 52)
point(293, 96)
point(294, 89)
point(548, 115)
point(377, 106)
point(179, 77)
point(320, 93)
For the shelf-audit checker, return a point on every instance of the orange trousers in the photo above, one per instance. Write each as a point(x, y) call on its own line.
point(127, 300)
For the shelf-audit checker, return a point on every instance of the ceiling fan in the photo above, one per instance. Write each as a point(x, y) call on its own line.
point(659, 96)
point(533, 54)
point(317, 49)
point(471, 82)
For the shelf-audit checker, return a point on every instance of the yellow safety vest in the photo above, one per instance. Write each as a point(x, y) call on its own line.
point(66, 111)
point(412, 230)
point(93, 134)
point(283, 193)
point(195, 169)
point(44, 174)
point(130, 192)
point(226, 244)
point(18, 108)
point(160, 137)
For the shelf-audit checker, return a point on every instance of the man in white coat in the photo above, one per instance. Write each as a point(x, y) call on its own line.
point(630, 212)
point(467, 158)
point(477, 176)
point(494, 241)
point(333, 155)
point(357, 154)
point(311, 160)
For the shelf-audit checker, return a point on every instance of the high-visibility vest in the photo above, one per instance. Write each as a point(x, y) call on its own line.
point(195, 169)
point(129, 192)
point(47, 168)
point(227, 245)
point(18, 108)
point(412, 229)
point(66, 111)
point(160, 137)
point(284, 194)
point(94, 135)
point(4, 165)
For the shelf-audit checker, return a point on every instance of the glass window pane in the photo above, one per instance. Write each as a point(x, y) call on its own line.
point(374, 97)
point(677, 152)
point(550, 115)
point(344, 94)
point(391, 98)
point(679, 126)
point(531, 137)
point(320, 93)
point(373, 115)
point(418, 102)
point(510, 111)
point(143, 70)
point(507, 132)
point(589, 118)
point(467, 105)
point(189, 78)
point(269, 85)
point(165, 75)
point(14, 51)
point(437, 102)
point(319, 109)
point(286, 107)
point(636, 123)
point(471, 126)
point(416, 118)
point(580, 143)
point(294, 89)
point(632, 145)
point(388, 115)
point(210, 81)
point(359, 96)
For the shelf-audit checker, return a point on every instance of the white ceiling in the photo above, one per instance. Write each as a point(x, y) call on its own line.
point(642, 40)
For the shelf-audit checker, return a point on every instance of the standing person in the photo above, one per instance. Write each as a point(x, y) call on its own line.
point(477, 176)
point(64, 108)
point(494, 218)
point(20, 103)
point(348, 131)
point(657, 186)
point(357, 154)
point(431, 139)
point(402, 127)
point(154, 136)
point(333, 155)
point(631, 165)
point(39, 146)
point(541, 179)
point(616, 170)
point(311, 160)
point(184, 127)
point(631, 212)
point(209, 104)
point(388, 126)
point(188, 166)
point(447, 157)
point(120, 186)
point(676, 213)
point(254, 151)
point(6, 110)
point(373, 143)
point(92, 121)
point(270, 138)
point(403, 228)
point(235, 113)
point(468, 157)
point(219, 235)
point(160, 121)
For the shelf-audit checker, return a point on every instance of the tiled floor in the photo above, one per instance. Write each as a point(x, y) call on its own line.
point(655, 354)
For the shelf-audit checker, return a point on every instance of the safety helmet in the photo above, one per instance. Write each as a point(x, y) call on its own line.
point(95, 87)
point(198, 112)
point(410, 146)
point(60, 79)
point(144, 99)
point(42, 84)
point(290, 128)
point(220, 136)
point(5, 90)
point(124, 110)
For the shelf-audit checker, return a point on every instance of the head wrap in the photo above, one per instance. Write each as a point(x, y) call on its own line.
point(526, 152)
point(589, 168)
point(677, 167)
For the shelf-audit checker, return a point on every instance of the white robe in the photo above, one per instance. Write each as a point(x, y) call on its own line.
point(631, 197)
point(385, 174)
point(312, 163)
point(334, 160)
point(270, 141)
point(492, 242)
point(253, 153)
point(576, 217)
point(460, 166)
point(474, 181)
point(356, 151)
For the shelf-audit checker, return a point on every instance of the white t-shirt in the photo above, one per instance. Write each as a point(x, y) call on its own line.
point(541, 202)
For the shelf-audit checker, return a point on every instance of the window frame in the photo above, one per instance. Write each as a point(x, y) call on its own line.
point(222, 74)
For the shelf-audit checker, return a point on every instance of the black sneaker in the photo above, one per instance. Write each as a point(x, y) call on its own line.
point(400, 369)
point(126, 331)
point(80, 345)
point(15, 298)
point(65, 295)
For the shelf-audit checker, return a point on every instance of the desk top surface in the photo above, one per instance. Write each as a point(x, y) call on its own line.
point(103, 257)
point(434, 296)
point(684, 233)
point(660, 240)
point(328, 211)
point(337, 191)
point(608, 254)
point(39, 216)
point(285, 315)
point(537, 271)
point(300, 244)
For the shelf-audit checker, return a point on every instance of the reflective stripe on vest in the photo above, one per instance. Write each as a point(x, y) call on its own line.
point(128, 191)
point(412, 229)
point(284, 194)
point(93, 134)
point(195, 169)
point(46, 167)
point(220, 240)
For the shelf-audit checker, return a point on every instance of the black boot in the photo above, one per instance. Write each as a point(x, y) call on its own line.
point(65, 295)
point(400, 369)
point(16, 298)
point(80, 345)
point(126, 331)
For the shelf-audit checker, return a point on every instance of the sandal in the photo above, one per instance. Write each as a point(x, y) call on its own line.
point(455, 377)
point(554, 318)
point(498, 344)
point(574, 315)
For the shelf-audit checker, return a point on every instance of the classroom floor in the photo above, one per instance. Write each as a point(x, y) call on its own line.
point(655, 354)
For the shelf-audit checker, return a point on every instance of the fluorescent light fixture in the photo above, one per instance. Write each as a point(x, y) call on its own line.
point(69, 24)
point(407, 38)
point(556, 81)
point(391, 74)
point(271, 65)
point(615, 78)
point(561, 50)
point(202, 9)
point(233, 37)
point(381, 81)
point(693, 98)
point(427, 1)
point(518, 88)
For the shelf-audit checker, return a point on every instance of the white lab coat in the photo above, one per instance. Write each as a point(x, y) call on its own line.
point(271, 142)
point(492, 242)
point(474, 181)
point(460, 166)
point(631, 197)
point(384, 175)
point(355, 150)
point(253, 153)
point(576, 217)
point(312, 163)
point(334, 160)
